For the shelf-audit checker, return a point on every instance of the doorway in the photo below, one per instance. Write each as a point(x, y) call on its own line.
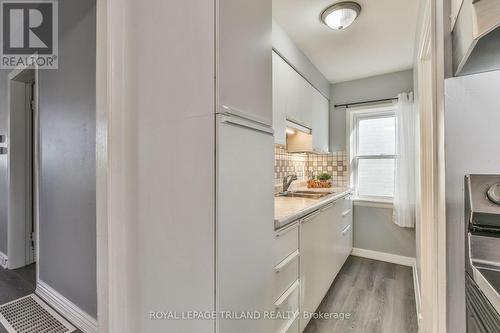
point(22, 168)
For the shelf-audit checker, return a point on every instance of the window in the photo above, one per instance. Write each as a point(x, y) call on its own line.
point(373, 152)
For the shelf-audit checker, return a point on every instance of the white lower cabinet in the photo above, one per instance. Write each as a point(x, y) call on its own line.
point(314, 270)
point(325, 244)
point(286, 296)
point(308, 255)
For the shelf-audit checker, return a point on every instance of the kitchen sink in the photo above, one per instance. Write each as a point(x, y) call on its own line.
point(304, 194)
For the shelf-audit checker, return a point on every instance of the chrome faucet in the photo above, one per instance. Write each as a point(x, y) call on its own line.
point(287, 181)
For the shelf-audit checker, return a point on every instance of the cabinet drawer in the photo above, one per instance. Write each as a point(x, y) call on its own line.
point(345, 210)
point(286, 242)
point(346, 241)
point(292, 326)
point(287, 307)
point(286, 273)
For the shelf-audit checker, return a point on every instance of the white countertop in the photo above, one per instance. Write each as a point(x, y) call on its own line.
point(289, 209)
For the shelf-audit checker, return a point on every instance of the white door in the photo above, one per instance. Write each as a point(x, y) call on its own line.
point(21, 167)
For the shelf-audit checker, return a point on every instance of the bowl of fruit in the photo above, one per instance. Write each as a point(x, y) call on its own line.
point(323, 180)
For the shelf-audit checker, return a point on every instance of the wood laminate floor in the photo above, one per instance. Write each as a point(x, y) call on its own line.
point(378, 296)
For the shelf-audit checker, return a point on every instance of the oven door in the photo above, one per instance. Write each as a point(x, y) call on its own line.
point(481, 315)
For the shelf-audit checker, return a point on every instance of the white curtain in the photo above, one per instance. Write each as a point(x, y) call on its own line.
point(404, 185)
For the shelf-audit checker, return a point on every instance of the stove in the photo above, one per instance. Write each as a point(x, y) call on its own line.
point(482, 253)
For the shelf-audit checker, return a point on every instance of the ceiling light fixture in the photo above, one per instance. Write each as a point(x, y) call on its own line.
point(341, 15)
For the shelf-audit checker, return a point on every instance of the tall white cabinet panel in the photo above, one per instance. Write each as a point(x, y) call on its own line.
point(244, 229)
point(244, 72)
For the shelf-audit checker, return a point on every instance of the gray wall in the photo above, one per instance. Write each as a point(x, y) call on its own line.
point(373, 227)
point(376, 87)
point(371, 88)
point(472, 118)
point(67, 179)
point(287, 49)
point(374, 230)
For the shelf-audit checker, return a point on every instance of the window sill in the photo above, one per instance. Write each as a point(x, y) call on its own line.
point(376, 203)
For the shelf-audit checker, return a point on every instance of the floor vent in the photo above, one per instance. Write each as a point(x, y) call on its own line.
point(30, 314)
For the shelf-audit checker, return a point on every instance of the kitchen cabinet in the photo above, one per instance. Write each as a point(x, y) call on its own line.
point(455, 9)
point(294, 98)
point(286, 278)
point(280, 99)
point(325, 244)
point(244, 65)
point(476, 37)
point(315, 272)
point(320, 122)
point(244, 270)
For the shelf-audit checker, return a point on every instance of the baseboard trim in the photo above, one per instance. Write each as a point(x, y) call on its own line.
point(4, 260)
point(418, 298)
point(382, 256)
point(66, 308)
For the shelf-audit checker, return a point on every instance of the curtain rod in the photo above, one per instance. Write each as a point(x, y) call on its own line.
point(367, 102)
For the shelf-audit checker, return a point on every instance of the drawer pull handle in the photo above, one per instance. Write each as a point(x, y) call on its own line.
point(346, 229)
point(310, 216)
point(328, 206)
point(286, 261)
point(287, 229)
point(344, 214)
point(286, 294)
point(290, 323)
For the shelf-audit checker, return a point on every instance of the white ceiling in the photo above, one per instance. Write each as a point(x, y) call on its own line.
point(380, 41)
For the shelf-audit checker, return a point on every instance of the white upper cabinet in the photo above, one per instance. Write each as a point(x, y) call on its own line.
point(320, 122)
point(455, 9)
point(293, 86)
point(280, 99)
point(244, 58)
point(295, 99)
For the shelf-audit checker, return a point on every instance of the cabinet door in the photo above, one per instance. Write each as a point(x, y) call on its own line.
point(455, 9)
point(333, 240)
point(245, 235)
point(341, 232)
point(280, 99)
point(244, 51)
point(314, 269)
point(320, 121)
point(306, 103)
point(293, 86)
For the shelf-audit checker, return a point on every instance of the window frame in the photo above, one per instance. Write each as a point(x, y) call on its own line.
point(355, 114)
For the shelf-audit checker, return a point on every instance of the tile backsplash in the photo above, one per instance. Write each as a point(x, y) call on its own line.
point(306, 165)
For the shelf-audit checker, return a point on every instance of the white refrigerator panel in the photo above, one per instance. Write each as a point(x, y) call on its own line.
point(244, 227)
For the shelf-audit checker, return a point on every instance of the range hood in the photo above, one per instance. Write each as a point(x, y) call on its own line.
point(476, 37)
point(298, 138)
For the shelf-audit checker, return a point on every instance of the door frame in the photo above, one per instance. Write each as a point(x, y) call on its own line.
point(14, 232)
point(432, 208)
